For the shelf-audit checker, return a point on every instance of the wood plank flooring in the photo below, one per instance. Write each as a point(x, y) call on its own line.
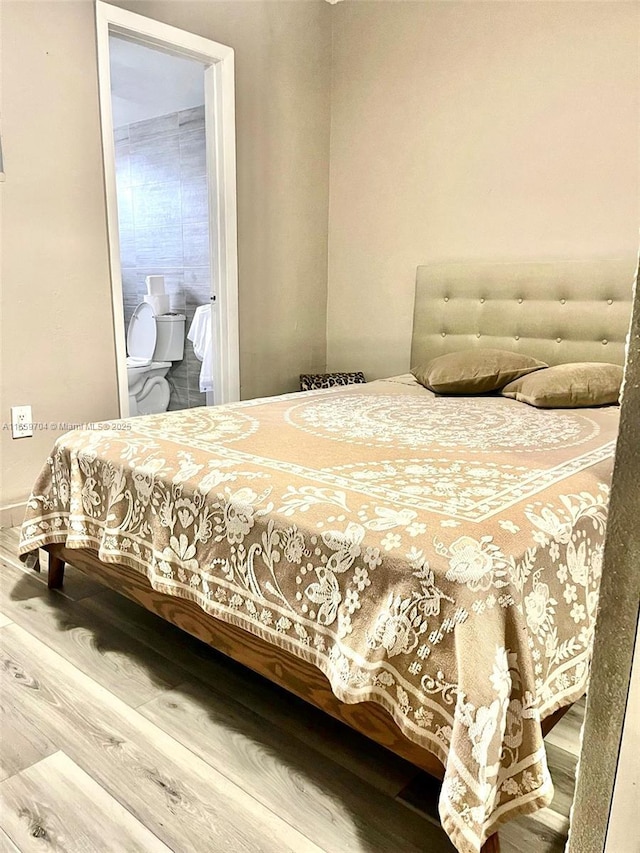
point(121, 733)
point(35, 805)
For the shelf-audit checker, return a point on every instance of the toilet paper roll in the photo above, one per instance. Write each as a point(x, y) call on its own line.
point(160, 304)
point(155, 285)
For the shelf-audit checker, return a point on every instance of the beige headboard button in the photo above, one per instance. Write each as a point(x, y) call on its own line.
point(605, 341)
point(481, 299)
point(609, 301)
point(520, 300)
point(558, 340)
point(517, 338)
point(563, 302)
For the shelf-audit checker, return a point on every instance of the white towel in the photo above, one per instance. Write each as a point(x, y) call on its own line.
point(201, 335)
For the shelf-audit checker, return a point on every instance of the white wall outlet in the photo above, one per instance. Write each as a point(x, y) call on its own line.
point(21, 422)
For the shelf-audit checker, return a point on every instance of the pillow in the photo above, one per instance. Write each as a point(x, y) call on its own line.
point(475, 371)
point(569, 386)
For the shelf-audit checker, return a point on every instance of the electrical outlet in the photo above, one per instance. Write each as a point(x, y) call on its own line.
point(21, 422)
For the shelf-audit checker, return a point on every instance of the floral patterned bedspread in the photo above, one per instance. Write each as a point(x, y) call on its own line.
point(438, 555)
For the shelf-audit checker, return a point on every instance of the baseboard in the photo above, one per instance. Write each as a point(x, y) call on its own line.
point(13, 514)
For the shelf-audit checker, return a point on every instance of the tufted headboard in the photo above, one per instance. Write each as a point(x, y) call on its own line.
point(557, 311)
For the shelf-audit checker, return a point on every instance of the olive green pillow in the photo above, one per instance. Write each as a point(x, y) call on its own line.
point(568, 386)
point(475, 371)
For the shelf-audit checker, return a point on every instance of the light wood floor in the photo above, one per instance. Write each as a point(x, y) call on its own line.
point(121, 733)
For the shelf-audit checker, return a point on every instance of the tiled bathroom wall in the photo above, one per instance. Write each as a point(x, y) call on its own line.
point(164, 224)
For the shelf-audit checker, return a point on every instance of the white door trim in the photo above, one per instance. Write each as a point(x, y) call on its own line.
point(221, 174)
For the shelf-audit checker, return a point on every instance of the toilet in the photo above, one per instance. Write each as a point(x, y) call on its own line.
point(153, 343)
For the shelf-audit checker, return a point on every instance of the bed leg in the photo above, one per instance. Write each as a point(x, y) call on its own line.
point(492, 844)
point(56, 572)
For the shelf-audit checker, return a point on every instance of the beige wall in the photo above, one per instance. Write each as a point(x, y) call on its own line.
point(57, 341)
point(472, 131)
point(57, 336)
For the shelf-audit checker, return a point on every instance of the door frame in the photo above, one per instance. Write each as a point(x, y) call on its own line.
point(219, 84)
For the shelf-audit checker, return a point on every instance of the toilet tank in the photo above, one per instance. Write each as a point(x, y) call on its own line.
point(170, 339)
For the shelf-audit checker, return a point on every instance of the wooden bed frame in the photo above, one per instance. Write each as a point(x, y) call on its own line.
point(295, 675)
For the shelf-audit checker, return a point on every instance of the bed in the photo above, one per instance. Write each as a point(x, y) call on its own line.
point(424, 568)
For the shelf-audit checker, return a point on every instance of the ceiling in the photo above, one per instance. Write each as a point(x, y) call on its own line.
point(147, 82)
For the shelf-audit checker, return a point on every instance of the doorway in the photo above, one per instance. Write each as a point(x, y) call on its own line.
point(168, 133)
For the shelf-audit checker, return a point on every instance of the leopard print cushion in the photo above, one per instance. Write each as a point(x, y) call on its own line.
point(313, 381)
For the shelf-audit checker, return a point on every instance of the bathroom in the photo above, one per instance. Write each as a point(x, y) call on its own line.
point(164, 226)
